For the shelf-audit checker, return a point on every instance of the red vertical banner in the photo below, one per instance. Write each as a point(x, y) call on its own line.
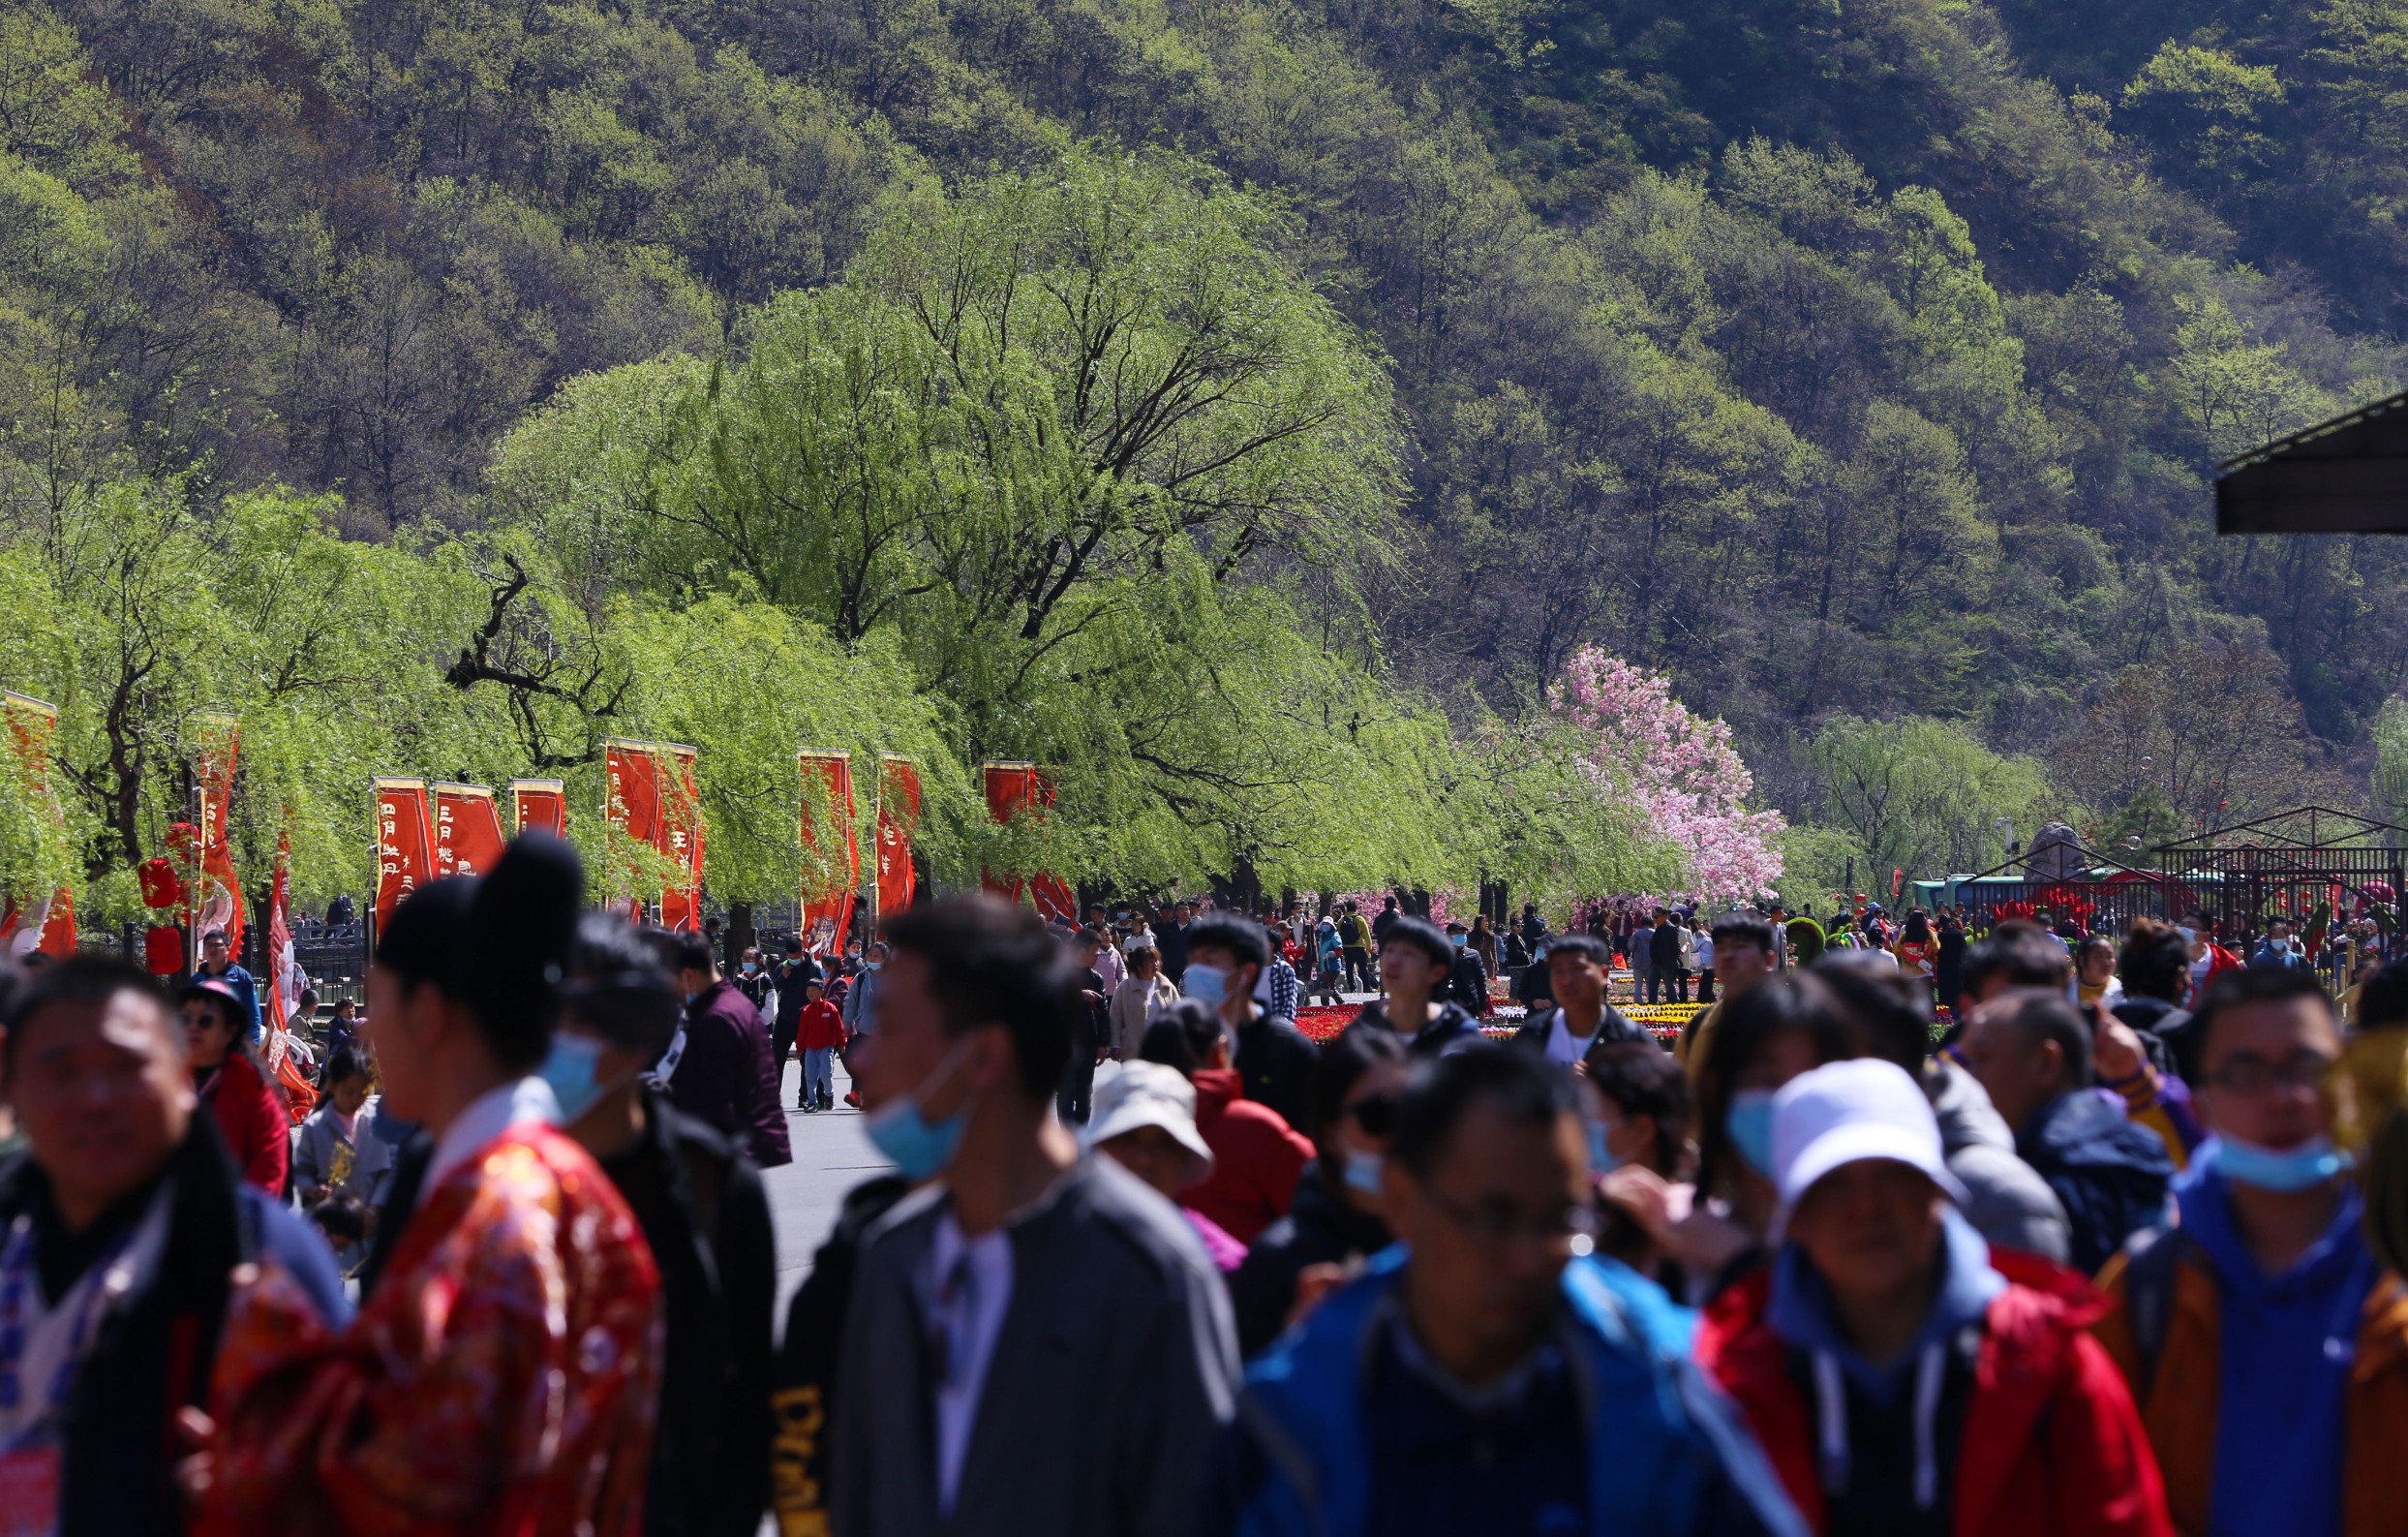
point(216, 897)
point(1008, 789)
point(404, 844)
point(831, 874)
point(631, 804)
point(1055, 902)
point(898, 818)
point(467, 830)
point(681, 837)
point(48, 924)
point(280, 1001)
point(540, 803)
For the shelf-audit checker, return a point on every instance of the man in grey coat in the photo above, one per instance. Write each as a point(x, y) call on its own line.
point(1037, 1342)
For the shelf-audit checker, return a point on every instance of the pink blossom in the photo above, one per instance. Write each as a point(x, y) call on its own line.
point(1677, 768)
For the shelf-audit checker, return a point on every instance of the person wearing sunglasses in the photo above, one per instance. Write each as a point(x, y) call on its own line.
point(1334, 1222)
point(1487, 1373)
point(2266, 1343)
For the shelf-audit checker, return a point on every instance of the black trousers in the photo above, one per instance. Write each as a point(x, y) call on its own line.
point(1077, 1086)
point(1705, 985)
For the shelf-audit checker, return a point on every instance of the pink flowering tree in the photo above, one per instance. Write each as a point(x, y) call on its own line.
point(1676, 769)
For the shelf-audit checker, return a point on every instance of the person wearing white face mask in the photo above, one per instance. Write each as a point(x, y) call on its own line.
point(1274, 1062)
point(2267, 1343)
point(1064, 1279)
point(705, 1218)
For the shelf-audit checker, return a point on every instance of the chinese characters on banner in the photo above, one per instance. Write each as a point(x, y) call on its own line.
point(681, 838)
point(831, 876)
point(467, 834)
point(539, 803)
point(49, 924)
point(649, 796)
point(215, 898)
point(404, 844)
point(281, 1001)
point(898, 818)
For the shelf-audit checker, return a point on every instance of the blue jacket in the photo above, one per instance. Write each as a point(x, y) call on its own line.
point(2110, 1173)
point(1666, 1452)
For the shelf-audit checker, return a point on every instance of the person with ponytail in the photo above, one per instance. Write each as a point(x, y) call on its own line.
point(501, 1378)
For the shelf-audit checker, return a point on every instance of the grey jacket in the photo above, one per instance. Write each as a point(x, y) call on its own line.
point(2010, 1205)
point(859, 1019)
point(324, 1155)
point(1115, 1366)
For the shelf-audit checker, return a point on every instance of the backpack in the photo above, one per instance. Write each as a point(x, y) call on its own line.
point(2153, 1261)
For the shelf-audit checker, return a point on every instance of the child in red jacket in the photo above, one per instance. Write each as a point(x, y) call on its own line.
point(1900, 1375)
point(819, 1030)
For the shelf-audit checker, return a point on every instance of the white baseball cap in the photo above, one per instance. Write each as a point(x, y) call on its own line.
point(1148, 1095)
point(1845, 1113)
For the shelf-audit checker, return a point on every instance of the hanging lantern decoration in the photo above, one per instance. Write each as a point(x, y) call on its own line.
point(159, 887)
point(162, 951)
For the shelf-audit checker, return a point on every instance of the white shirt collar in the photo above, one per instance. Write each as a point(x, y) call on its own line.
point(487, 1117)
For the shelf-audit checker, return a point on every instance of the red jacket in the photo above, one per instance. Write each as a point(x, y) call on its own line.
point(2051, 1441)
point(1256, 1157)
point(820, 1028)
point(253, 1120)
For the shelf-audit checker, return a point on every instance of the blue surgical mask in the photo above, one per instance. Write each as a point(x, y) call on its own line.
point(871, 965)
point(1207, 985)
point(750, 967)
point(2301, 1168)
point(918, 1147)
point(1458, 939)
point(1362, 1173)
point(1750, 1122)
point(571, 1070)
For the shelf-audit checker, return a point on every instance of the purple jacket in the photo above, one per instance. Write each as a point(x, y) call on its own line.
point(726, 1077)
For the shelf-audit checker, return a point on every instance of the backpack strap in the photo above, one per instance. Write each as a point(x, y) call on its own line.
point(2153, 1260)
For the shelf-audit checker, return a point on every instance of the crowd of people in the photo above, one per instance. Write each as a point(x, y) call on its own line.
point(2088, 1252)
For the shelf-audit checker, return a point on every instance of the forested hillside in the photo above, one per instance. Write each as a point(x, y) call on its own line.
point(1852, 362)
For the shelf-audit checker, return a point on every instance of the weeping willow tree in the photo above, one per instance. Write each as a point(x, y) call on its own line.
point(1098, 471)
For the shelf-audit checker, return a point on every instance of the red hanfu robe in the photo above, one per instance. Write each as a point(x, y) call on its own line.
point(501, 1382)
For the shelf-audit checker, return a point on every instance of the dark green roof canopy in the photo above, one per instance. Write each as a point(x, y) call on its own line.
point(2347, 475)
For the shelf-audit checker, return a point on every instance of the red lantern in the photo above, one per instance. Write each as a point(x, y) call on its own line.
point(160, 887)
point(162, 951)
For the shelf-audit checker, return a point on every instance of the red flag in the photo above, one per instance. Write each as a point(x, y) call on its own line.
point(1055, 902)
point(539, 803)
point(404, 844)
point(898, 818)
point(279, 953)
point(1898, 882)
point(50, 926)
point(829, 882)
point(215, 898)
point(681, 838)
point(1009, 786)
point(468, 832)
point(631, 801)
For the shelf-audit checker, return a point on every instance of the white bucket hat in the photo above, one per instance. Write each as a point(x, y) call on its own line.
point(1148, 1095)
point(1845, 1113)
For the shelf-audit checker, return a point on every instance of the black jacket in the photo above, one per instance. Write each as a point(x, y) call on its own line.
point(2110, 1175)
point(1612, 1027)
point(792, 978)
point(1453, 1027)
point(1663, 949)
point(1275, 1062)
point(707, 1220)
point(154, 1355)
point(1467, 981)
point(804, 1400)
point(1322, 1228)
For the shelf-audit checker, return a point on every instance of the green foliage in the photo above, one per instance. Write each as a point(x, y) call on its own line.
point(1920, 796)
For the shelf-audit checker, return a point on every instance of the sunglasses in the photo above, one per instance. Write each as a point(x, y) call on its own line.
point(1375, 1114)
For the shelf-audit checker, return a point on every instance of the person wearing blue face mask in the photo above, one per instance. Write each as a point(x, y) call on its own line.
point(2266, 1343)
point(1073, 1286)
point(1334, 1221)
point(705, 1218)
